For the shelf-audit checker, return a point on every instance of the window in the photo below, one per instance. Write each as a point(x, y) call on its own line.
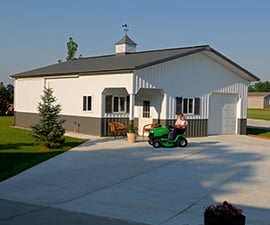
point(87, 103)
point(108, 104)
point(122, 104)
point(119, 104)
point(146, 109)
point(116, 104)
point(187, 105)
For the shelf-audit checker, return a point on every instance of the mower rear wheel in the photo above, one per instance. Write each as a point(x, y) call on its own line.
point(156, 144)
point(182, 142)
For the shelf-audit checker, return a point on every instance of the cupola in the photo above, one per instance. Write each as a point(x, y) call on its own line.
point(125, 46)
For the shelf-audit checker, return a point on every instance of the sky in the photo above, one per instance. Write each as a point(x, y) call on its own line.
point(34, 33)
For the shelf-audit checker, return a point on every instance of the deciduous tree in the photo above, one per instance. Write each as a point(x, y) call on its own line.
point(260, 87)
point(6, 99)
point(72, 47)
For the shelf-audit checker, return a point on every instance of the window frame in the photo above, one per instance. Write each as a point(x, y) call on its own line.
point(87, 107)
point(117, 104)
point(188, 105)
point(146, 109)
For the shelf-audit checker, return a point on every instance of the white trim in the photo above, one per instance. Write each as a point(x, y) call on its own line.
point(87, 111)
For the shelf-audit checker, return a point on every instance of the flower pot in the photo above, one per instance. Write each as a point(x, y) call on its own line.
point(221, 220)
point(131, 137)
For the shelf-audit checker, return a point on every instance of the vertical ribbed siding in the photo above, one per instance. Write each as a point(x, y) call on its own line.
point(192, 76)
point(196, 127)
point(87, 125)
point(23, 119)
point(105, 124)
point(242, 126)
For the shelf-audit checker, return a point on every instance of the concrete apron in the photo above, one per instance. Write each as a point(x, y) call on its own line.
point(135, 182)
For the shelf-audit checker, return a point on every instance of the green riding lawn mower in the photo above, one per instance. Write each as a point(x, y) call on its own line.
point(163, 136)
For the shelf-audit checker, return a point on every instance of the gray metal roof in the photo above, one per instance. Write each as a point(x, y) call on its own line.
point(126, 40)
point(123, 62)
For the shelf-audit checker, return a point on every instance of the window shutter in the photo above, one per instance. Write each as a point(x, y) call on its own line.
point(89, 103)
point(84, 103)
point(197, 106)
point(128, 102)
point(179, 101)
point(108, 104)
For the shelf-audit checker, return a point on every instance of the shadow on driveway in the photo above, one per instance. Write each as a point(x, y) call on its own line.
point(137, 183)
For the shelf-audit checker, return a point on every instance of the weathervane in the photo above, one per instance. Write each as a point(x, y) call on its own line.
point(125, 26)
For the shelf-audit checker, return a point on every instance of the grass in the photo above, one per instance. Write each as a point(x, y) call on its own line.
point(18, 152)
point(260, 132)
point(259, 114)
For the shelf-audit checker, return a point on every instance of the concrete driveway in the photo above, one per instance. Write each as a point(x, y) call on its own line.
point(258, 123)
point(109, 181)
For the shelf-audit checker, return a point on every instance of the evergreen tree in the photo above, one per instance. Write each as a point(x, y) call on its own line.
point(49, 131)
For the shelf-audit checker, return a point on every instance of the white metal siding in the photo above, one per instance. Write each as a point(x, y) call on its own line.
point(195, 75)
point(69, 92)
point(92, 85)
point(27, 94)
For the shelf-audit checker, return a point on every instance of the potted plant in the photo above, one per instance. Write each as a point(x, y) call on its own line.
point(223, 214)
point(132, 133)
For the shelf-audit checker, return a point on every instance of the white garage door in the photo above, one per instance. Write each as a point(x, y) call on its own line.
point(222, 114)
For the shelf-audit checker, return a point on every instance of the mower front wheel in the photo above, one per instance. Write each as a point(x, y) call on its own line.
point(156, 144)
point(182, 142)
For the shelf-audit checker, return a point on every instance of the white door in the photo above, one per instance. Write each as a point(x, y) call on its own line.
point(222, 114)
point(145, 117)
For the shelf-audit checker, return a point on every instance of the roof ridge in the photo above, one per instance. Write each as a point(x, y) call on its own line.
point(192, 50)
point(146, 51)
point(171, 49)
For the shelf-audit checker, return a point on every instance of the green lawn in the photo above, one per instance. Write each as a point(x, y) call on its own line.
point(18, 152)
point(260, 114)
point(265, 133)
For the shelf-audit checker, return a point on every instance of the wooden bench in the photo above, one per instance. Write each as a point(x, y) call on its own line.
point(148, 127)
point(117, 129)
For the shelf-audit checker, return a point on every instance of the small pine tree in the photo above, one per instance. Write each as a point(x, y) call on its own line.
point(49, 131)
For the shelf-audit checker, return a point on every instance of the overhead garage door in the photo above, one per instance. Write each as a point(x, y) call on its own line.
point(222, 114)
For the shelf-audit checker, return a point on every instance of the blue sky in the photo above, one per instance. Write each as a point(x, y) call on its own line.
point(34, 33)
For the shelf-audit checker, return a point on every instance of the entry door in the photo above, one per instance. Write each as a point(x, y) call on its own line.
point(222, 114)
point(145, 117)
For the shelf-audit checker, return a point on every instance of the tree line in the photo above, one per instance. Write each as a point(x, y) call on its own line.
point(6, 99)
point(259, 87)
